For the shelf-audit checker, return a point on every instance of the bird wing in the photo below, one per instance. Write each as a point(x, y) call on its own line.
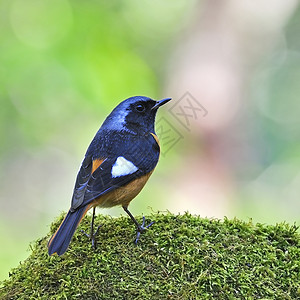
point(113, 172)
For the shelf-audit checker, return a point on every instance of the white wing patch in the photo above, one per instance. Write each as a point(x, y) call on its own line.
point(122, 167)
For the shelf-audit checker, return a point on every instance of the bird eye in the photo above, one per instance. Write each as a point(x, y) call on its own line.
point(140, 108)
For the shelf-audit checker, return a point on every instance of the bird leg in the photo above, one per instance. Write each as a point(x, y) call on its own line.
point(140, 227)
point(92, 234)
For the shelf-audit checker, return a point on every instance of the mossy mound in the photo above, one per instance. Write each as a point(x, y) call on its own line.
point(179, 257)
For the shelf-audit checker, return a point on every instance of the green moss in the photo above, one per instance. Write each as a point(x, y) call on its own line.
point(179, 257)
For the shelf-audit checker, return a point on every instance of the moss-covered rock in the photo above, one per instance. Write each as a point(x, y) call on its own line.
point(179, 257)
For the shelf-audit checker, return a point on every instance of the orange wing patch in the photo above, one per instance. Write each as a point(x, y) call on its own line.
point(96, 163)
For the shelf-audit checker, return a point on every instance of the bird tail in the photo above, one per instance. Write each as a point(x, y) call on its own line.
point(61, 239)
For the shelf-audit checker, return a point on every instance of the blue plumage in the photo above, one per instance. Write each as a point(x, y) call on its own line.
point(61, 239)
point(126, 135)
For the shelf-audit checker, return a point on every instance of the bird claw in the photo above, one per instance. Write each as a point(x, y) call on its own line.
point(86, 234)
point(141, 229)
point(92, 236)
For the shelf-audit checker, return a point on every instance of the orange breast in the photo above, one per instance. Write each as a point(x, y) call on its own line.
point(156, 138)
point(122, 195)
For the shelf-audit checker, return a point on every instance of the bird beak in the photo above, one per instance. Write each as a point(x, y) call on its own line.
point(160, 103)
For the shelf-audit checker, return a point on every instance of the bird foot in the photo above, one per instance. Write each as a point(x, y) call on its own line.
point(92, 236)
point(142, 228)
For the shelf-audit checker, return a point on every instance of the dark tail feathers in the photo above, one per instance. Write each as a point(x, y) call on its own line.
point(61, 239)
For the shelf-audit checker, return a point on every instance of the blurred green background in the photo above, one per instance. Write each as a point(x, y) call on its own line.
point(66, 64)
